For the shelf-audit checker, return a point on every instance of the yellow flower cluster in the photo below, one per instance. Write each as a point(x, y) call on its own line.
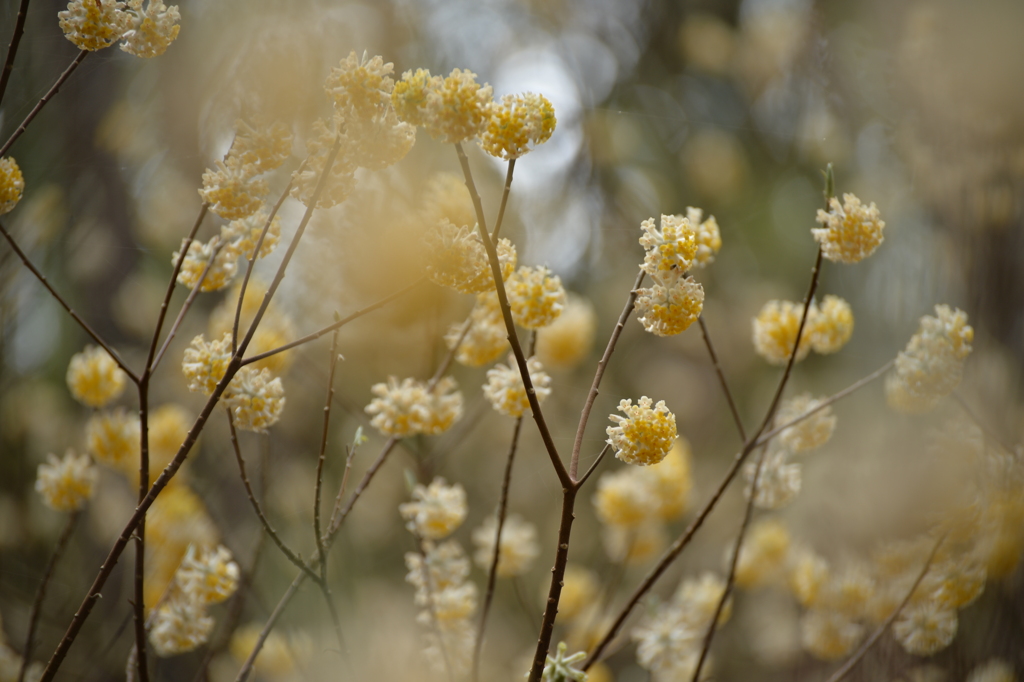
point(633, 496)
point(205, 363)
point(830, 325)
point(66, 484)
point(826, 330)
point(452, 109)
point(94, 378)
point(242, 235)
point(670, 250)
point(931, 365)
point(778, 480)
point(12, 184)
point(114, 438)
point(486, 338)
point(709, 238)
point(261, 145)
point(177, 520)
point(506, 392)
point(812, 432)
point(94, 24)
point(518, 546)
point(179, 625)
point(208, 574)
point(275, 328)
point(849, 232)
point(457, 258)
point(564, 343)
point(667, 310)
point(437, 510)
point(151, 30)
point(221, 271)
point(409, 408)
point(535, 296)
point(645, 435)
point(516, 124)
point(255, 398)
point(361, 85)
point(763, 554)
point(233, 191)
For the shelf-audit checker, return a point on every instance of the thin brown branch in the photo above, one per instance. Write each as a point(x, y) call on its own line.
point(721, 379)
point(344, 480)
point(287, 551)
point(42, 102)
point(361, 488)
point(12, 50)
point(141, 660)
point(492, 573)
point(504, 198)
point(64, 304)
point(510, 327)
point(336, 325)
point(593, 467)
point(246, 669)
point(332, 364)
point(44, 583)
point(602, 365)
point(870, 642)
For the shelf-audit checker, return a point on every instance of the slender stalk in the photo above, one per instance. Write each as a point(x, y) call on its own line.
point(332, 364)
point(152, 360)
point(602, 365)
point(37, 603)
point(721, 379)
point(876, 635)
point(343, 512)
point(12, 50)
point(64, 304)
point(246, 669)
point(492, 573)
point(336, 325)
point(42, 102)
point(504, 198)
point(506, 312)
point(593, 467)
point(344, 483)
point(287, 551)
point(139, 607)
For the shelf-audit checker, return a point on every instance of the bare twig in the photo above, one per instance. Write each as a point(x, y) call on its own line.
point(64, 304)
point(339, 519)
point(593, 467)
point(246, 670)
point(141, 660)
point(12, 50)
point(504, 198)
point(42, 102)
point(37, 603)
point(866, 646)
point(721, 379)
point(332, 364)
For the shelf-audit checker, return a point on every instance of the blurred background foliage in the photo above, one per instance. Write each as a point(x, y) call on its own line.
point(732, 106)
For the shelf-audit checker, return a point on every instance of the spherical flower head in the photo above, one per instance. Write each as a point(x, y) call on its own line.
point(564, 343)
point(437, 510)
point(341, 178)
point(452, 604)
point(645, 435)
point(378, 142)
point(153, 30)
point(669, 309)
point(179, 625)
point(831, 325)
point(535, 296)
point(697, 599)
point(255, 398)
point(709, 237)
point(850, 590)
point(560, 668)
point(778, 482)
point(260, 145)
point(410, 96)
point(486, 338)
point(516, 124)
point(113, 438)
point(221, 271)
point(66, 484)
point(812, 432)
point(506, 391)
point(243, 235)
point(828, 635)
point(775, 330)
point(207, 574)
point(849, 232)
point(625, 498)
point(409, 408)
point(457, 258)
point(925, 628)
point(233, 192)
point(457, 107)
point(518, 548)
point(94, 377)
point(899, 397)
point(932, 363)
point(361, 84)
point(12, 184)
point(808, 574)
point(94, 24)
point(955, 582)
point(204, 364)
point(763, 554)
point(446, 562)
point(670, 250)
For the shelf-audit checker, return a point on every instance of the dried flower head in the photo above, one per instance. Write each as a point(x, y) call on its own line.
point(94, 24)
point(457, 258)
point(113, 438)
point(94, 377)
point(506, 391)
point(207, 574)
point(12, 184)
point(516, 124)
point(233, 192)
point(775, 330)
point(260, 145)
point(66, 484)
point(151, 30)
point(204, 364)
point(518, 547)
point(709, 238)
point(486, 338)
point(437, 510)
point(535, 296)
point(255, 398)
point(669, 309)
point(671, 250)
point(830, 325)
point(849, 232)
point(222, 269)
point(564, 343)
point(812, 432)
point(645, 435)
point(409, 408)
